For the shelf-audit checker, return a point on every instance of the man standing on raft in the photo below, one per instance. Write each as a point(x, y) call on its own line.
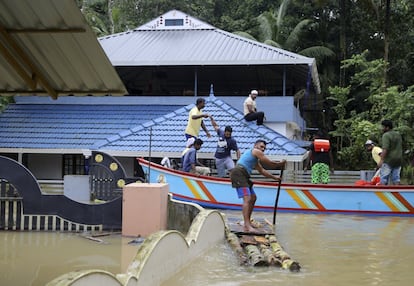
point(240, 178)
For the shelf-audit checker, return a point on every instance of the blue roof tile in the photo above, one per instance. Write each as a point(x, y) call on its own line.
point(122, 127)
point(168, 133)
point(73, 125)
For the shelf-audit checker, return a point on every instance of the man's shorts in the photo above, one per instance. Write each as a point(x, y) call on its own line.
point(205, 171)
point(240, 180)
point(245, 191)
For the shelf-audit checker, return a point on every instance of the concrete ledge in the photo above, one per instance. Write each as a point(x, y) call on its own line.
point(163, 253)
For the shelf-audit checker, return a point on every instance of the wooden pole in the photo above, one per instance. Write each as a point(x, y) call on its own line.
point(277, 197)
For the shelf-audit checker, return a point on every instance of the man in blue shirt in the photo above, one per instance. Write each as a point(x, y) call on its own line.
point(191, 163)
point(240, 178)
point(225, 144)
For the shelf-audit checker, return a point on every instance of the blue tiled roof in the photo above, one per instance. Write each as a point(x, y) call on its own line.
point(121, 128)
point(167, 133)
point(70, 126)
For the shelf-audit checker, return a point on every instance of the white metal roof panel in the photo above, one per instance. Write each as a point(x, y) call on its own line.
point(195, 47)
point(154, 44)
point(46, 47)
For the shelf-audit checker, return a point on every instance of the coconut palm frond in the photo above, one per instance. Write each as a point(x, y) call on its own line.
point(245, 35)
point(294, 36)
point(282, 12)
point(96, 22)
point(273, 43)
point(320, 53)
point(268, 28)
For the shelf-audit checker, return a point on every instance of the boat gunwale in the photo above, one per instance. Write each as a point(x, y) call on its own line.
point(228, 206)
point(309, 186)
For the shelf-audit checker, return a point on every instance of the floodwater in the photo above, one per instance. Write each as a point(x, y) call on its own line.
point(36, 258)
point(331, 249)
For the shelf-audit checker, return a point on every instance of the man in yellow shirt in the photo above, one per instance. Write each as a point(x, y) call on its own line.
point(195, 120)
point(375, 151)
point(376, 155)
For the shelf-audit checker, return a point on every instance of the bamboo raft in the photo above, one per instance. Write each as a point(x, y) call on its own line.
point(260, 248)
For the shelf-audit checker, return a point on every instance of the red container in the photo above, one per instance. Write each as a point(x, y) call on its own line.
point(321, 145)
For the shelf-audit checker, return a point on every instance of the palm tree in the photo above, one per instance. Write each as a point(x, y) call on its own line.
point(96, 17)
point(273, 29)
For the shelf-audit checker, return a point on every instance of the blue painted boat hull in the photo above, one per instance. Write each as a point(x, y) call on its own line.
point(212, 192)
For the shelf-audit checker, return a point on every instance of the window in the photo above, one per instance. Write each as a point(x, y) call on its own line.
point(174, 22)
point(73, 164)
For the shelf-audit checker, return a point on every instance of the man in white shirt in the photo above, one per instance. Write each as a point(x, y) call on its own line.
point(250, 109)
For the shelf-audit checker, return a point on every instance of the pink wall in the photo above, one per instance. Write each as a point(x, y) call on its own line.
point(144, 209)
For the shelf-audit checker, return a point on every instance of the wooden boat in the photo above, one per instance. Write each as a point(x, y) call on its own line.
point(212, 192)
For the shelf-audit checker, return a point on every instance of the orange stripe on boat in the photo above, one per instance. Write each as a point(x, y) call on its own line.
point(206, 191)
point(297, 199)
point(314, 200)
point(402, 200)
point(192, 189)
point(387, 202)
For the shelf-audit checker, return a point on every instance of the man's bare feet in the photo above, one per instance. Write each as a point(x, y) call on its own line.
point(248, 228)
point(254, 223)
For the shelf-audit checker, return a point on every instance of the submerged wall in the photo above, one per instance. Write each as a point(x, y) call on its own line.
point(162, 254)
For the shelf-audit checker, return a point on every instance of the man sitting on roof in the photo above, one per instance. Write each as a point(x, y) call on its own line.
point(250, 109)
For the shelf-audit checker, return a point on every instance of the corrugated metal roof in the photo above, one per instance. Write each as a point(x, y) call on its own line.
point(124, 126)
point(152, 45)
point(46, 47)
point(196, 47)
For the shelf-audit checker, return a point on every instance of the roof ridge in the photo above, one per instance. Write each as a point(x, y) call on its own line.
point(163, 140)
point(175, 20)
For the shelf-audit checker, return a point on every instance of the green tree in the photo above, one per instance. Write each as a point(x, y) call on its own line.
point(4, 101)
point(352, 128)
point(95, 13)
point(276, 31)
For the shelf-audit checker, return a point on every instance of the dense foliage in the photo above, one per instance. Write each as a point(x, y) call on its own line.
point(364, 50)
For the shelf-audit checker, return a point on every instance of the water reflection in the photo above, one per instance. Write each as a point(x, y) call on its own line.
point(332, 250)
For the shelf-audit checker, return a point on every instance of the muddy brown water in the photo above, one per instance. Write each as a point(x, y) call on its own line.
point(36, 258)
point(332, 250)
